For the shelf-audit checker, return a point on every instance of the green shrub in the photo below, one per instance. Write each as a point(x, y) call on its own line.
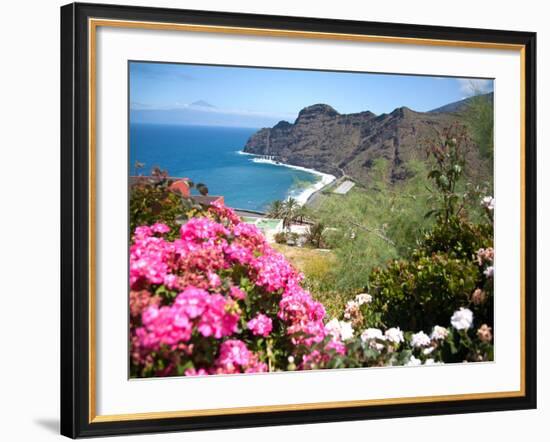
point(152, 200)
point(280, 237)
point(458, 238)
point(422, 292)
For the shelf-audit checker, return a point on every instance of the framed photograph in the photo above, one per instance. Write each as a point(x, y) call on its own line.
point(274, 220)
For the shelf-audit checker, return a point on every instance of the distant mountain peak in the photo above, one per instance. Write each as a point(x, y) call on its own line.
point(202, 103)
point(317, 110)
point(403, 111)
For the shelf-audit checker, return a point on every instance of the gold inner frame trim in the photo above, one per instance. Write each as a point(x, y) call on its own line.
point(93, 24)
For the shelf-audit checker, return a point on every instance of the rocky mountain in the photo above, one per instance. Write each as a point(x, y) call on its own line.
point(325, 140)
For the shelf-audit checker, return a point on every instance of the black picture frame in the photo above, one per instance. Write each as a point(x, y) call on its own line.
point(75, 220)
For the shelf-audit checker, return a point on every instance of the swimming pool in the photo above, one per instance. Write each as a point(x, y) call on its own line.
point(266, 225)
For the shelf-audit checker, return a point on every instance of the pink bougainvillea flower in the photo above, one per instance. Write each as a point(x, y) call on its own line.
point(163, 326)
point(192, 301)
point(260, 325)
point(214, 280)
point(237, 253)
point(224, 213)
point(235, 357)
point(216, 251)
point(202, 230)
point(237, 293)
point(211, 314)
point(160, 228)
point(194, 372)
point(273, 271)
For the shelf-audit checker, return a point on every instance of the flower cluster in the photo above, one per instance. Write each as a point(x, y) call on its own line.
point(484, 333)
point(420, 339)
point(488, 202)
point(202, 304)
point(439, 333)
point(260, 325)
point(353, 311)
point(194, 310)
point(462, 319)
point(235, 357)
point(375, 339)
point(484, 257)
point(340, 329)
point(459, 342)
point(371, 336)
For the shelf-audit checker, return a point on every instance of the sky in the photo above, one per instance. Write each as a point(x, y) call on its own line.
point(172, 93)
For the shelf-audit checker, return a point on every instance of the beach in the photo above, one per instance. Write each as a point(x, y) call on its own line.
point(301, 195)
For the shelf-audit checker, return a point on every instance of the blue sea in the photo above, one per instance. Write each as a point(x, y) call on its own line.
point(210, 155)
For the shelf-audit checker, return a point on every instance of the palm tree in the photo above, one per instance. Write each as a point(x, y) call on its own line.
point(315, 234)
point(276, 209)
point(300, 213)
point(289, 213)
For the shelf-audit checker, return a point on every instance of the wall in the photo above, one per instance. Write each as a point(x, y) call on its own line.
point(29, 225)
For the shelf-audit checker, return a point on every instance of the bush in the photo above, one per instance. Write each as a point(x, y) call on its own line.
point(280, 237)
point(458, 238)
point(422, 292)
point(152, 201)
point(463, 341)
point(286, 238)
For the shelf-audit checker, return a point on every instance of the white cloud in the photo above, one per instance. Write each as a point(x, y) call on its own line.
point(475, 86)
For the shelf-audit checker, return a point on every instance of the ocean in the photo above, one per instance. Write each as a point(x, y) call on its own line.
point(211, 155)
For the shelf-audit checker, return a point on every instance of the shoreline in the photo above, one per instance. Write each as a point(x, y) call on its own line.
point(304, 195)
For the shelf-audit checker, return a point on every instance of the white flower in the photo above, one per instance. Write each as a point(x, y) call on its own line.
point(352, 308)
point(352, 304)
point(291, 359)
point(333, 327)
point(346, 330)
point(432, 362)
point(420, 339)
point(462, 319)
point(489, 272)
point(488, 202)
point(340, 329)
point(363, 298)
point(394, 335)
point(439, 333)
point(428, 350)
point(413, 361)
point(371, 335)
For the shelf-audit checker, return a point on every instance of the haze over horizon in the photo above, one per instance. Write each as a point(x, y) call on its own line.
point(169, 93)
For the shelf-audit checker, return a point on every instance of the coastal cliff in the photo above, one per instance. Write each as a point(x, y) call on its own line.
point(348, 144)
